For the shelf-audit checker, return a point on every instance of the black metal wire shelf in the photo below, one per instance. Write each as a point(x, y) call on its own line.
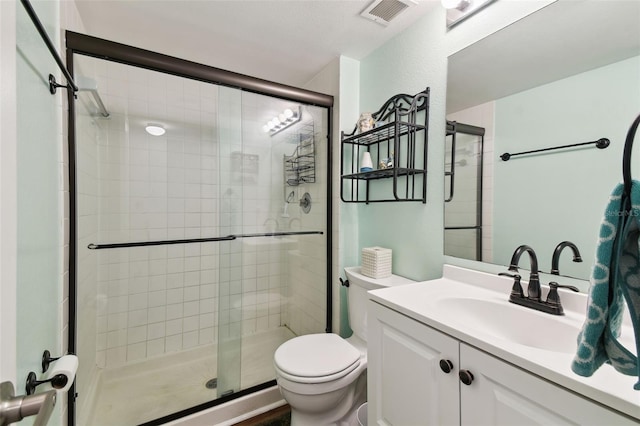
point(396, 150)
point(383, 133)
point(385, 173)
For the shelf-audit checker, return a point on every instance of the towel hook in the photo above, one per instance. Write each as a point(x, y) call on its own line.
point(626, 157)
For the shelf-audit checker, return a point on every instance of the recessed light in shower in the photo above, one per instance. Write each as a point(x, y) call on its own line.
point(155, 129)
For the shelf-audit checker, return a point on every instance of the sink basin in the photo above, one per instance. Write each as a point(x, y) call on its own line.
point(514, 323)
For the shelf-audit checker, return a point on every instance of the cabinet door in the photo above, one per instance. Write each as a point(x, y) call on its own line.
point(406, 385)
point(502, 394)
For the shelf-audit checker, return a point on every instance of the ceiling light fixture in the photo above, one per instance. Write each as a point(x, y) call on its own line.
point(282, 121)
point(155, 129)
point(459, 10)
point(455, 4)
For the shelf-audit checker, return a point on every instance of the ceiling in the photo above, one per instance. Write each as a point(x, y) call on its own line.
point(562, 39)
point(286, 41)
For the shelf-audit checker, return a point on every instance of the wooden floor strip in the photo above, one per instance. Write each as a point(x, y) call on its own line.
point(280, 416)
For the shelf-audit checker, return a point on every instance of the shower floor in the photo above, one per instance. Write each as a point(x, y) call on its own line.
point(148, 390)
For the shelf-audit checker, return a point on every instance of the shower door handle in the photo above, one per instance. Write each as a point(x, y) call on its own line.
point(15, 408)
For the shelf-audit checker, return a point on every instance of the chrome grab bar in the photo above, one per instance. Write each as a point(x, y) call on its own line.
point(15, 408)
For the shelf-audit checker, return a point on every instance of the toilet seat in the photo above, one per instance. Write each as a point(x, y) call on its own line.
point(316, 358)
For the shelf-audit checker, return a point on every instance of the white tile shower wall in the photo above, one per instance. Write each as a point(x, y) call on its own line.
point(253, 286)
point(271, 266)
point(194, 182)
point(157, 299)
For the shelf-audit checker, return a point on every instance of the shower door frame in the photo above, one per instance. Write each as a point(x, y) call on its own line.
point(82, 44)
point(453, 128)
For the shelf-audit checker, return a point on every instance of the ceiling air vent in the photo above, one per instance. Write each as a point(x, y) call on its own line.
point(383, 11)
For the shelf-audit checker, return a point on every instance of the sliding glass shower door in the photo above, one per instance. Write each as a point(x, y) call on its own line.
point(273, 200)
point(201, 244)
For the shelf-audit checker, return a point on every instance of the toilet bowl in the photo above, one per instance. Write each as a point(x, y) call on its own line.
point(323, 376)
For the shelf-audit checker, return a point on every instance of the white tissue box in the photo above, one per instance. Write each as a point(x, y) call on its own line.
point(376, 262)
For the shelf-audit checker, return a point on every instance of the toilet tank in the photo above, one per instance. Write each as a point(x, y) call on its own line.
point(359, 285)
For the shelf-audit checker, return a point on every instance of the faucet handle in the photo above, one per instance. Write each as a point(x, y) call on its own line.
point(553, 298)
point(516, 290)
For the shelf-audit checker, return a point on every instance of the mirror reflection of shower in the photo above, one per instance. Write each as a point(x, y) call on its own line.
point(464, 147)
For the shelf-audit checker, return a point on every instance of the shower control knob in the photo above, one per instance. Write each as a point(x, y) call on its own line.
point(465, 377)
point(446, 365)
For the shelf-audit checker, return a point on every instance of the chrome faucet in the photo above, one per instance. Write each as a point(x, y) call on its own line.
point(555, 260)
point(533, 291)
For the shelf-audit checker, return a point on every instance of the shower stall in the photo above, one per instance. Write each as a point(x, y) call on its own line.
point(198, 249)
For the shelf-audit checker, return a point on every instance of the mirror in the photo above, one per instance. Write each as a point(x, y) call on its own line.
point(568, 73)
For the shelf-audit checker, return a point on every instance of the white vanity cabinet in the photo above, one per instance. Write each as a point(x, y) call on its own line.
point(407, 385)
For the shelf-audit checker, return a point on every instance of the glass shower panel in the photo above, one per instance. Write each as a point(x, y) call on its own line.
point(200, 320)
point(284, 253)
point(230, 298)
point(39, 190)
point(151, 309)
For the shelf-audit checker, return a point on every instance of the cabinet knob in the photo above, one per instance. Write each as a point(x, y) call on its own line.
point(465, 377)
point(446, 365)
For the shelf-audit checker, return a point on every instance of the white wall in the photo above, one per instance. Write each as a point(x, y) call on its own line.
point(155, 300)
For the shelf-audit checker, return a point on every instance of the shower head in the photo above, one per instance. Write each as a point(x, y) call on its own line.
point(86, 84)
point(290, 196)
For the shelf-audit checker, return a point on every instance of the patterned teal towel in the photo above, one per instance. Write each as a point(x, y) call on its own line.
point(615, 278)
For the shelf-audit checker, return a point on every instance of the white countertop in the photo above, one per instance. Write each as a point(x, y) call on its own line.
point(420, 302)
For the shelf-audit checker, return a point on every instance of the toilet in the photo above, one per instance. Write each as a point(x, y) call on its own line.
point(323, 376)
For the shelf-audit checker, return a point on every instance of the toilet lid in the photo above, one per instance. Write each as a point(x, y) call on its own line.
point(316, 355)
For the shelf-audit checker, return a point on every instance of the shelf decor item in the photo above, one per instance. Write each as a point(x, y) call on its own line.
point(397, 145)
point(365, 122)
point(366, 165)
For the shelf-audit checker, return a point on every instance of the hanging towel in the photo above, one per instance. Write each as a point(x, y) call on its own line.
point(615, 279)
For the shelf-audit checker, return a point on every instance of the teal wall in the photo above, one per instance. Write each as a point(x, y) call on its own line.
point(409, 63)
point(544, 199)
point(349, 111)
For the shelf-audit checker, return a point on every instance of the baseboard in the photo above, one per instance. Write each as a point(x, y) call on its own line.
point(235, 411)
point(87, 400)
